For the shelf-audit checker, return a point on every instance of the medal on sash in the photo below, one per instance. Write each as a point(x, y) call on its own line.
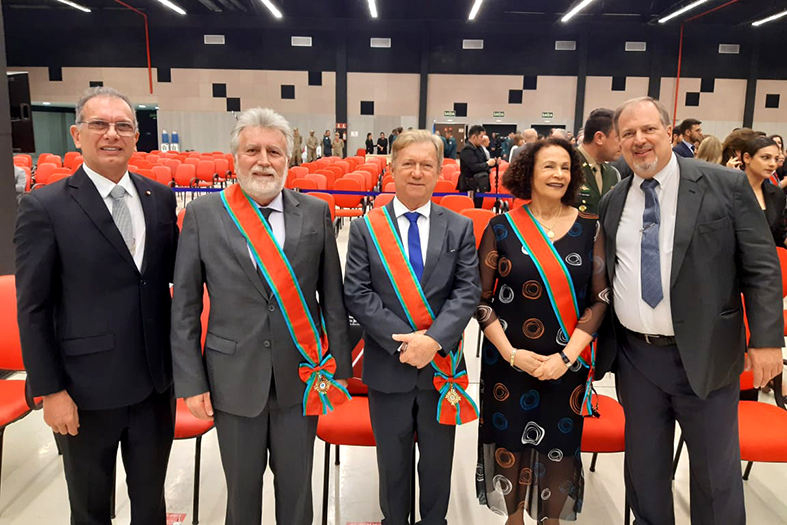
point(455, 405)
point(322, 392)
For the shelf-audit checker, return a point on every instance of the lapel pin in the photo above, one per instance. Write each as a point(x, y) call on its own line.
point(147, 192)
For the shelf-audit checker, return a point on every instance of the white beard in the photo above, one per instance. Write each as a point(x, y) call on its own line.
point(646, 168)
point(262, 189)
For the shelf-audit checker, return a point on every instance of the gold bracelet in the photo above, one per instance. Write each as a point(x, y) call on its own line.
point(511, 359)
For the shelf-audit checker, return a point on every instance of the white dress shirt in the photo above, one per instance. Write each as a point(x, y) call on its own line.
point(404, 226)
point(132, 200)
point(276, 221)
point(689, 145)
point(632, 311)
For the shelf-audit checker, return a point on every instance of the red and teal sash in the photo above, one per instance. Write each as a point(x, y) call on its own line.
point(322, 392)
point(558, 285)
point(774, 179)
point(455, 405)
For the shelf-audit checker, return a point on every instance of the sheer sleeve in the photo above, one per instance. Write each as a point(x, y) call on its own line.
point(487, 267)
point(599, 288)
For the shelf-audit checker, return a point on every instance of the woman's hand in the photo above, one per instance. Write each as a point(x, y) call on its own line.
point(552, 367)
point(734, 162)
point(528, 361)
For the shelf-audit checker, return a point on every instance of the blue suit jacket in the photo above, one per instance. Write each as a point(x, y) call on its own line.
point(683, 150)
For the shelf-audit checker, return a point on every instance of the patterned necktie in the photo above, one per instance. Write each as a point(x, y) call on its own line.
point(650, 264)
point(414, 244)
point(122, 217)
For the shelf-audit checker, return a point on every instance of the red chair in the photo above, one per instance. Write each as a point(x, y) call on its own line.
point(457, 203)
point(76, 163)
point(59, 176)
point(189, 427)
point(44, 171)
point(349, 205)
point(15, 403)
point(68, 159)
point(223, 172)
point(443, 186)
point(344, 165)
point(386, 180)
point(147, 173)
point(185, 175)
point(361, 152)
point(480, 220)
point(192, 160)
point(172, 164)
point(205, 173)
point(383, 199)
point(330, 177)
point(390, 187)
point(783, 262)
point(327, 197)
point(23, 160)
point(338, 172)
point(304, 184)
point(162, 174)
point(319, 180)
point(181, 215)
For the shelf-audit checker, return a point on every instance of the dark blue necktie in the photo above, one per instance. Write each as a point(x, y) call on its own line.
point(650, 264)
point(414, 244)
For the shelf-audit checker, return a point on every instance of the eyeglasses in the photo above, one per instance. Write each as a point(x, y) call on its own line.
point(122, 128)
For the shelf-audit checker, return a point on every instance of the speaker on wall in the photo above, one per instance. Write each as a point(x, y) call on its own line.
point(21, 116)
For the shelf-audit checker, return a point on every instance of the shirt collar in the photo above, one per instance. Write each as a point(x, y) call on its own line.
point(590, 160)
point(277, 204)
point(400, 209)
point(689, 144)
point(104, 185)
point(666, 174)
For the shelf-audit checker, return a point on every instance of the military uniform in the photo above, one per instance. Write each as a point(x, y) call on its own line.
point(338, 147)
point(589, 193)
point(297, 150)
point(311, 148)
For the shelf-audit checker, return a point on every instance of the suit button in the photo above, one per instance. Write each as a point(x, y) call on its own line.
point(266, 344)
point(271, 308)
point(143, 282)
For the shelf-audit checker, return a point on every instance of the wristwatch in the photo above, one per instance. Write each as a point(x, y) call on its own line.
point(565, 358)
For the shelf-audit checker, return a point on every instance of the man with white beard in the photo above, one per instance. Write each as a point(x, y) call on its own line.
point(275, 357)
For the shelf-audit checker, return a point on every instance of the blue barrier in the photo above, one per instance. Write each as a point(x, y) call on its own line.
point(347, 192)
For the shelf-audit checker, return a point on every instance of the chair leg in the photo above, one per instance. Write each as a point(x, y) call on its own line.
point(197, 455)
point(593, 462)
point(325, 479)
point(627, 512)
point(478, 343)
point(677, 456)
point(2, 435)
point(112, 508)
point(748, 471)
point(338, 459)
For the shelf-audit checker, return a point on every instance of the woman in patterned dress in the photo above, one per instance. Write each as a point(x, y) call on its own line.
point(532, 380)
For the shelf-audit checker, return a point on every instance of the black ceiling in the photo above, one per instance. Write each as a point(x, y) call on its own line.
point(738, 13)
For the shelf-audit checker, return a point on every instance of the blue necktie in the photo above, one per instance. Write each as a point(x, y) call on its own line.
point(414, 244)
point(650, 264)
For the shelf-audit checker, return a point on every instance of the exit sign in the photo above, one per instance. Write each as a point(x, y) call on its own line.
point(498, 114)
point(547, 114)
point(449, 113)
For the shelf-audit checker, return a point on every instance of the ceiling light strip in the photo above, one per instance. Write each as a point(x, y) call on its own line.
point(681, 11)
point(75, 6)
point(474, 9)
point(372, 9)
point(272, 8)
point(771, 18)
point(179, 10)
point(582, 5)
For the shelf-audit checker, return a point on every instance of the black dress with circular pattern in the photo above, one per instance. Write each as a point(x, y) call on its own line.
point(530, 431)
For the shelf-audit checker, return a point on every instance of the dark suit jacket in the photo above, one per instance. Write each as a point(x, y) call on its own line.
point(248, 343)
point(90, 322)
point(472, 160)
point(450, 282)
point(722, 248)
point(683, 150)
point(775, 203)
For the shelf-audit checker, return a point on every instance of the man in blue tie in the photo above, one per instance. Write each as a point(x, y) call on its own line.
point(439, 246)
point(690, 134)
point(684, 240)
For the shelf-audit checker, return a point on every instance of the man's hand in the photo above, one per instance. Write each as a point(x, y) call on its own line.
point(419, 350)
point(61, 414)
point(528, 361)
point(342, 382)
point(552, 368)
point(765, 364)
point(491, 162)
point(200, 406)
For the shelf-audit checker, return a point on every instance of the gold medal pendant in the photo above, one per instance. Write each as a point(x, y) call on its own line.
point(452, 396)
point(551, 234)
point(321, 385)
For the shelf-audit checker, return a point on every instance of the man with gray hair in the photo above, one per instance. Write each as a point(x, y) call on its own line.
point(95, 254)
point(265, 254)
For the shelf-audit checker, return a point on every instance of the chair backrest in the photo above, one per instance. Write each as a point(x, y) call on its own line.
point(192, 160)
point(298, 172)
point(330, 177)
point(320, 180)
point(59, 175)
point(305, 184)
point(337, 171)
point(172, 164)
point(206, 169)
point(133, 168)
point(148, 173)
point(184, 174)
point(10, 345)
point(783, 262)
point(480, 219)
point(358, 177)
point(387, 179)
point(76, 163)
point(344, 165)
point(44, 171)
point(457, 203)
point(383, 199)
point(153, 159)
point(444, 186)
point(327, 197)
point(347, 184)
point(162, 174)
point(360, 151)
point(222, 167)
point(181, 215)
point(68, 159)
point(389, 187)
point(23, 159)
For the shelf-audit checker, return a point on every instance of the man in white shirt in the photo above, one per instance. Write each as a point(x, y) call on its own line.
point(684, 240)
point(440, 247)
point(95, 254)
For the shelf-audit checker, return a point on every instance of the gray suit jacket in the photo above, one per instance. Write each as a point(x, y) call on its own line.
point(450, 282)
point(722, 248)
point(247, 339)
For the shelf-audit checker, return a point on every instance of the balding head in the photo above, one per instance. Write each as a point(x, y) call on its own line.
point(530, 135)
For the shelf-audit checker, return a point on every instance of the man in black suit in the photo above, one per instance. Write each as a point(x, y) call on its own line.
point(474, 164)
point(94, 258)
point(403, 400)
point(683, 240)
point(690, 134)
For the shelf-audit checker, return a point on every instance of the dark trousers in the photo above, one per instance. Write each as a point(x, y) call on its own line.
point(145, 432)
point(396, 419)
point(655, 392)
point(244, 445)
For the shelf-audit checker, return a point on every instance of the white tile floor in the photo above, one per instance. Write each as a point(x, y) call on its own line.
point(34, 490)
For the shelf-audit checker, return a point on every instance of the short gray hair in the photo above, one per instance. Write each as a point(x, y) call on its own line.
point(102, 92)
point(412, 136)
point(663, 113)
point(260, 118)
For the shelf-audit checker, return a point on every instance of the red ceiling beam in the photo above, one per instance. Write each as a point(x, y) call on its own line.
point(147, 40)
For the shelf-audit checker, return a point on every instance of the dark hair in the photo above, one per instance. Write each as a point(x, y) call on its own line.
point(518, 178)
point(475, 130)
point(600, 119)
point(774, 137)
point(676, 131)
point(736, 141)
point(368, 134)
point(755, 144)
point(687, 124)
